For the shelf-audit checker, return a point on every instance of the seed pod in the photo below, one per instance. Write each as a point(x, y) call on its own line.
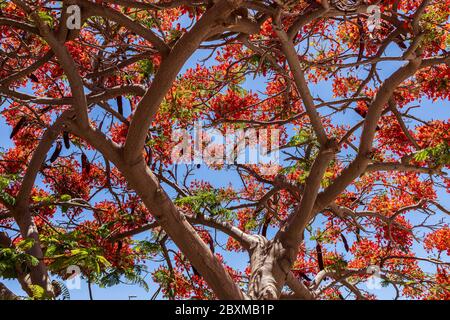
point(361, 112)
point(211, 244)
point(319, 256)
point(85, 164)
point(266, 226)
point(361, 41)
point(57, 152)
point(119, 247)
point(399, 40)
point(66, 139)
point(344, 240)
point(149, 156)
point(195, 272)
point(45, 110)
point(56, 288)
point(304, 276)
point(119, 105)
point(33, 78)
point(5, 241)
point(356, 200)
point(17, 127)
point(242, 12)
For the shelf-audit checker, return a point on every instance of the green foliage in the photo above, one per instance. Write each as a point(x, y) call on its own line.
point(65, 197)
point(251, 224)
point(438, 155)
point(163, 277)
point(174, 34)
point(337, 263)
point(146, 67)
point(145, 247)
point(210, 200)
point(132, 276)
point(256, 61)
point(12, 257)
point(46, 18)
point(90, 260)
point(58, 243)
point(302, 137)
point(63, 250)
point(428, 22)
point(38, 293)
point(5, 181)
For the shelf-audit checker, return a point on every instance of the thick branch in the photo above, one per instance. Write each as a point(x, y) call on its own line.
point(167, 73)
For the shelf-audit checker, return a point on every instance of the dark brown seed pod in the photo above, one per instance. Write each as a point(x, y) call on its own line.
point(344, 240)
point(33, 78)
point(319, 256)
point(195, 271)
point(5, 241)
point(45, 110)
point(19, 125)
point(119, 247)
point(242, 12)
point(149, 156)
point(266, 226)
point(362, 44)
point(304, 276)
point(119, 105)
point(400, 42)
point(57, 152)
point(56, 288)
point(66, 139)
point(211, 245)
point(85, 164)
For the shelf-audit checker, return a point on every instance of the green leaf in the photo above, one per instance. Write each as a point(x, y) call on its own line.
point(421, 155)
point(46, 17)
point(25, 244)
point(37, 292)
point(146, 67)
point(65, 197)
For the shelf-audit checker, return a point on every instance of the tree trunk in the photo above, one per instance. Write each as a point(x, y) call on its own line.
point(6, 294)
point(38, 274)
point(271, 263)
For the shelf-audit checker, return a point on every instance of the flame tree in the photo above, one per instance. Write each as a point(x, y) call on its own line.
point(89, 166)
